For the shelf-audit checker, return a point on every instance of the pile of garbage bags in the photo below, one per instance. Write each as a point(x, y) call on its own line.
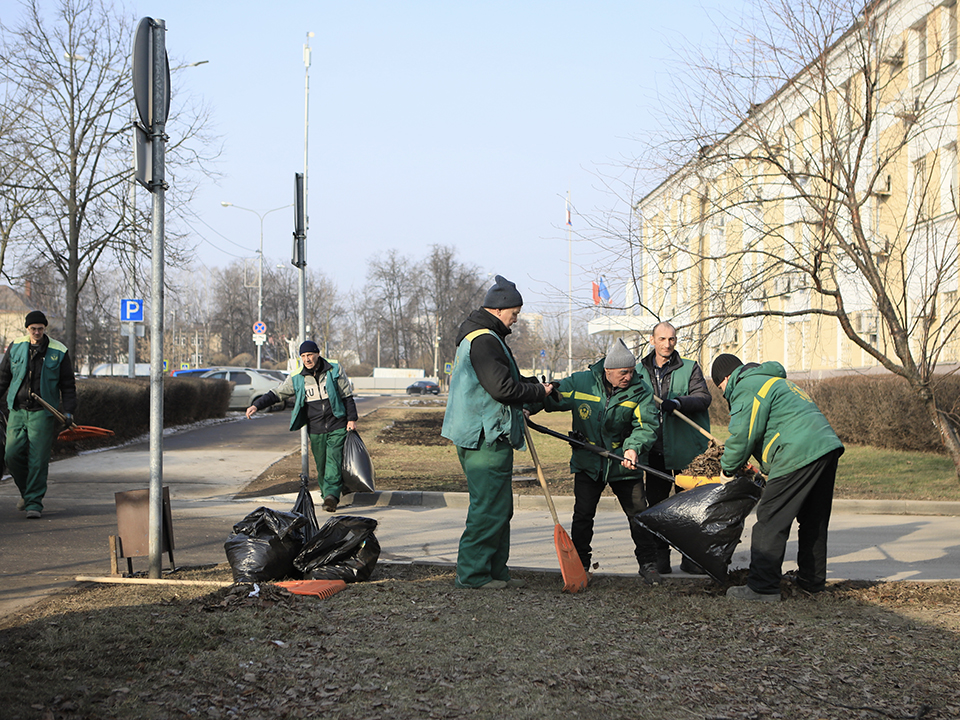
point(270, 545)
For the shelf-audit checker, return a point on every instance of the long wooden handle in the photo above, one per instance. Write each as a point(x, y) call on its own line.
point(51, 408)
point(689, 422)
point(540, 477)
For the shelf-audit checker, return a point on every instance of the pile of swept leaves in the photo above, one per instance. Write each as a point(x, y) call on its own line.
point(410, 645)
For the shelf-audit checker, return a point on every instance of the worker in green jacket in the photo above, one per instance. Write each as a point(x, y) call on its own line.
point(777, 423)
point(35, 364)
point(613, 408)
point(484, 419)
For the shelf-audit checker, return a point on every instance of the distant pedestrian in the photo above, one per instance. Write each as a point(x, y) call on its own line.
point(612, 407)
point(774, 420)
point(679, 383)
point(39, 365)
point(323, 401)
point(484, 419)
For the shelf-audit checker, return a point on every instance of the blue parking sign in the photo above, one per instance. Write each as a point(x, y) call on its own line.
point(131, 310)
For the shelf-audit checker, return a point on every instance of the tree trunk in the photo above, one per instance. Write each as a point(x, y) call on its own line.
point(948, 434)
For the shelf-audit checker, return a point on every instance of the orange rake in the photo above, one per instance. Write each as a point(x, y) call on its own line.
point(321, 588)
point(74, 432)
point(574, 576)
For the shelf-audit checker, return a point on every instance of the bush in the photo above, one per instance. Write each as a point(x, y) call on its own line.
point(882, 412)
point(123, 405)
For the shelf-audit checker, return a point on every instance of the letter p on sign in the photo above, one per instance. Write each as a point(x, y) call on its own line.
point(131, 310)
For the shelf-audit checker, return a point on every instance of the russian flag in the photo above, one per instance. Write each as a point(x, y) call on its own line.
point(602, 291)
point(569, 223)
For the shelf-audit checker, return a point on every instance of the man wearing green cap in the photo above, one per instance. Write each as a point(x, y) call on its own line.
point(35, 364)
point(612, 407)
point(323, 401)
point(484, 419)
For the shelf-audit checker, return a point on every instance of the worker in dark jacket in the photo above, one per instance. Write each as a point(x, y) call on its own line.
point(680, 385)
point(323, 401)
point(611, 407)
point(484, 419)
point(777, 423)
point(39, 365)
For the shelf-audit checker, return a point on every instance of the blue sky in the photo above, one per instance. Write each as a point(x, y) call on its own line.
point(456, 123)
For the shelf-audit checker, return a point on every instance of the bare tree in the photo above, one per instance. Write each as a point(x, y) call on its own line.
point(812, 178)
point(68, 147)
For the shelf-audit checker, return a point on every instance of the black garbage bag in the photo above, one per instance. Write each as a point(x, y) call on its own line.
point(706, 522)
point(304, 506)
point(264, 544)
point(345, 548)
point(357, 469)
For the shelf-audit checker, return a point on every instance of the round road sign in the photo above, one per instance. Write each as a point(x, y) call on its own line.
point(259, 327)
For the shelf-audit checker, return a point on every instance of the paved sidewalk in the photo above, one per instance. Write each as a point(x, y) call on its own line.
point(206, 467)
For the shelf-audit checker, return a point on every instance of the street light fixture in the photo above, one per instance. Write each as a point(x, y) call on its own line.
point(260, 215)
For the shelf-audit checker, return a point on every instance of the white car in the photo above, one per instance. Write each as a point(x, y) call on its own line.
point(249, 385)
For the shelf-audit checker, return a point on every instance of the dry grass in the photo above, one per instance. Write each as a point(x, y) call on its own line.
point(409, 645)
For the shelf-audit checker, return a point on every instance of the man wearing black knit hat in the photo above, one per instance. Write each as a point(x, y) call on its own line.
point(323, 401)
point(484, 419)
point(774, 420)
point(35, 364)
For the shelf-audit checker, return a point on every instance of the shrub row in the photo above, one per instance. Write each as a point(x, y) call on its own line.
point(123, 405)
point(882, 412)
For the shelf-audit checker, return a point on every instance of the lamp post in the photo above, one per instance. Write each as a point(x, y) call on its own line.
point(260, 215)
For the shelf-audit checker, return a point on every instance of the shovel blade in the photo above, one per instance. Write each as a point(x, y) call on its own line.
point(81, 432)
point(574, 576)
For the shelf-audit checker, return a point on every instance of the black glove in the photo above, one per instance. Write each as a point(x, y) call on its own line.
point(668, 406)
point(67, 419)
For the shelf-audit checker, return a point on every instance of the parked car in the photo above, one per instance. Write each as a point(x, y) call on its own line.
point(423, 387)
point(248, 385)
point(193, 372)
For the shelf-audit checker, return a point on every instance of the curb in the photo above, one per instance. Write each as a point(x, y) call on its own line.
point(413, 498)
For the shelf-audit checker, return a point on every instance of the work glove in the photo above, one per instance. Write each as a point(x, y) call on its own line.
point(668, 406)
point(67, 419)
point(724, 478)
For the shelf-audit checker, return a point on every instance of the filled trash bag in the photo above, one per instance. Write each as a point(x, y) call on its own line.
point(264, 545)
point(705, 523)
point(345, 549)
point(357, 469)
point(304, 506)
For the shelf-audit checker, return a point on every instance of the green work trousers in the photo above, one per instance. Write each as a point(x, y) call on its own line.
point(485, 543)
point(30, 436)
point(328, 455)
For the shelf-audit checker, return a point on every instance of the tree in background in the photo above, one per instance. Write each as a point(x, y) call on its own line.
point(66, 145)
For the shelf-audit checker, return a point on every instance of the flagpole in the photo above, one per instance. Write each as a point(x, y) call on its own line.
point(569, 292)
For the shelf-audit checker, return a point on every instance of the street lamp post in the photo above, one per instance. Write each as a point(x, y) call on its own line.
point(259, 262)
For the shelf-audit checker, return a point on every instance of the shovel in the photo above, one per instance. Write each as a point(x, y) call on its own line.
point(74, 432)
point(574, 576)
point(691, 423)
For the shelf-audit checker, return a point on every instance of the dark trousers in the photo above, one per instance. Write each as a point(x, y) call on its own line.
point(807, 496)
point(657, 490)
point(587, 492)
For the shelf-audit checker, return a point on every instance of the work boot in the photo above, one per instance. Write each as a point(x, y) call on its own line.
point(516, 583)
point(33, 514)
point(494, 585)
point(330, 503)
point(650, 575)
point(663, 561)
point(21, 504)
point(690, 567)
point(744, 592)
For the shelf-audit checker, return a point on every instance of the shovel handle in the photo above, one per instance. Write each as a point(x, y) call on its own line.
point(690, 422)
point(540, 477)
point(47, 406)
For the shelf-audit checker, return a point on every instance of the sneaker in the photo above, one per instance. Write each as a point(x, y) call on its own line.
point(516, 583)
point(650, 575)
point(21, 504)
point(663, 561)
point(33, 514)
point(494, 585)
point(690, 567)
point(330, 503)
point(743, 592)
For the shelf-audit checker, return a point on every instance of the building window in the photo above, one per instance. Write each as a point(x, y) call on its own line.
point(920, 35)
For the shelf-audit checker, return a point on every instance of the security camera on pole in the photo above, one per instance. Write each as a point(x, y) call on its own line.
point(151, 92)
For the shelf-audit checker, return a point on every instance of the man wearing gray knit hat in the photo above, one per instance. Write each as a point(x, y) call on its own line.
point(612, 408)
